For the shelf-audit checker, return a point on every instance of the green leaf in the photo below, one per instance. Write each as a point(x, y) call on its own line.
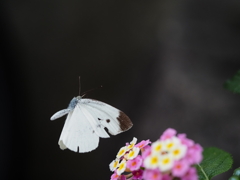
point(215, 161)
point(233, 84)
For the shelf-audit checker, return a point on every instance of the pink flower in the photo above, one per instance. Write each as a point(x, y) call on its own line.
point(180, 168)
point(168, 133)
point(135, 163)
point(198, 153)
point(137, 174)
point(149, 174)
point(185, 140)
point(170, 157)
point(166, 177)
point(143, 143)
point(191, 174)
point(122, 177)
point(194, 154)
point(115, 176)
point(146, 151)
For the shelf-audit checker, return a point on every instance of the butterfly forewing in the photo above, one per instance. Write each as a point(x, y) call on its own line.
point(108, 116)
point(92, 115)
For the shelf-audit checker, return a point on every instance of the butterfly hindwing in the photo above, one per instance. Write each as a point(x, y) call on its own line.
point(78, 134)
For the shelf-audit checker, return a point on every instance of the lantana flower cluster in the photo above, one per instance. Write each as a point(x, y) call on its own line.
point(171, 157)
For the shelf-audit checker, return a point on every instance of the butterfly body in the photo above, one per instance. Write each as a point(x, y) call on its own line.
point(87, 120)
point(74, 102)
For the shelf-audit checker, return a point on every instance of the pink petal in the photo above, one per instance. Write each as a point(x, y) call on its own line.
point(154, 174)
point(143, 143)
point(135, 163)
point(137, 174)
point(191, 174)
point(146, 151)
point(185, 140)
point(180, 168)
point(168, 133)
point(114, 176)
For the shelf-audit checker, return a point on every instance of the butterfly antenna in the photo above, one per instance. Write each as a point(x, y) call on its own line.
point(79, 83)
point(85, 93)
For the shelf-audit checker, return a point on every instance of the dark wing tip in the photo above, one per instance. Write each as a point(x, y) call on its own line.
point(124, 121)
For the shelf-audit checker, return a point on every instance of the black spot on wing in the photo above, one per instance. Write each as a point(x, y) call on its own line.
point(108, 120)
point(99, 119)
point(124, 121)
point(106, 129)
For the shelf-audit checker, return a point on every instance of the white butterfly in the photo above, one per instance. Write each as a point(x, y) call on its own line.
point(86, 121)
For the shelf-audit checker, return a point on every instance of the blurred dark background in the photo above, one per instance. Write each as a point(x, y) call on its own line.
point(162, 62)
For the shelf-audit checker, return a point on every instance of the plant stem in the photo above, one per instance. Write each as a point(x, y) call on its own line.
point(203, 172)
